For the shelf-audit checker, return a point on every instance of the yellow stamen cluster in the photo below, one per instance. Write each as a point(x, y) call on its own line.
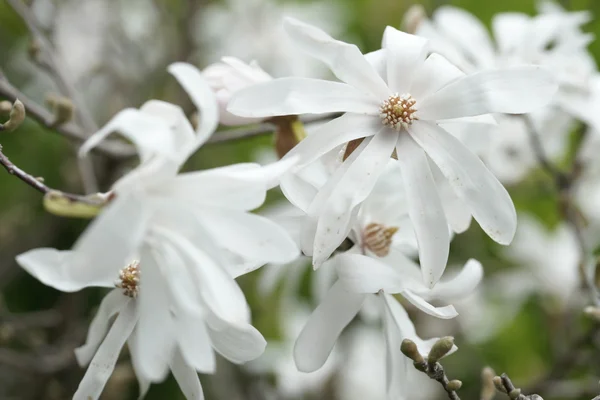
point(398, 111)
point(129, 279)
point(378, 238)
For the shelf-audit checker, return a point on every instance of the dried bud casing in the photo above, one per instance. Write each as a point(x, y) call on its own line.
point(410, 350)
point(57, 203)
point(63, 109)
point(15, 118)
point(499, 384)
point(440, 349)
point(5, 107)
point(454, 385)
point(290, 131)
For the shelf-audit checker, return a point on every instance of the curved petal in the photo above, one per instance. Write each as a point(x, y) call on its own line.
point(345, 60)
point(186, 377)
point(143, 383)
point(405, 56)
point(195, 342)
point(322, 329)
point(121, 228)
point(446, 312)
point(457, 213)
point(361, 274)
point(509, 29)
point(476, 186)
point(516, 90)
point(111, 304)
point(238, 343)
point(294, 96)
point(466, 31)
point(397, 364)
point(334, 133)
point(356, 184)
point(52, 268)
point(435, 73)
point(104, 361)
point(425, 210)
point(253, 237)
point(378, 60)
point(461, 285)
point(190, 78)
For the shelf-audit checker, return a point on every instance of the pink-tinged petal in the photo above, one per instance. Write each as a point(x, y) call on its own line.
point(362, 274)
point(356, 184)
point(251, 236)
point(345, 60)
point(155, 326)
point(457, 212)
point(425, 210)
point(190, 78)
point(238, 343)
point(435, 73)
point(509, 30)
point(460, 286)
point(294, 96)
point(467, 32)
point(327, 137)
point(405, 56)
point(516, 90)
point(473, 183)
point(103, 363)
point(195, 342)
point(53, 268)
point(121, 228)
point(186, 377)
point(111, 304)
point(446, 312)
point(322, 329)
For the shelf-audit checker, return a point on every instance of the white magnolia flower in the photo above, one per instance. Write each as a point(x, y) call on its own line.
point(251, 30)
point(192, 234)
point(361, 277)
point(227, 77)
point(396, 103)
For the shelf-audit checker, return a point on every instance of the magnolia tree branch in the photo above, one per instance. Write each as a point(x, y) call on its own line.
point(564, 183)
point(505, 385)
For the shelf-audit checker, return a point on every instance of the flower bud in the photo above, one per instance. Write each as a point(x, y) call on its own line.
point(413, 17)
point(488, 389)
point(454, 385)
point(63, 109)
point(514, 394)
point(410, 350)
point(499, 384)
point(440, 349)
point(227, 77)
point(5, 107)
point(15, 118)
point(57, 203)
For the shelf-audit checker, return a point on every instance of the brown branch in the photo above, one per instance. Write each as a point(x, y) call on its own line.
point(505, 385)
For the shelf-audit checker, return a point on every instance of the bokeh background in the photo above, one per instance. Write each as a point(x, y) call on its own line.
point(116, 53)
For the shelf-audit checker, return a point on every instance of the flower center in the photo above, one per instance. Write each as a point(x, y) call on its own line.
point(398, 111)
point(378, 238)
point(129, 279)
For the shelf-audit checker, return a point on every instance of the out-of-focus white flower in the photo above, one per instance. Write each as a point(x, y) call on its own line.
point(192, 234)
point(229, 76)
point(252, 30)
point(396, 102)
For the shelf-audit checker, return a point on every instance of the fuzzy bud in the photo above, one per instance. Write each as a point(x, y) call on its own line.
point(488, 389)
point(593, 312)
point(410, 350)
point(499, 384)
point(15, 118)
point(5, 107)
point(454, 385)
point(440, 349)
point(63, 109)
point(514, 394)
point(413, 17)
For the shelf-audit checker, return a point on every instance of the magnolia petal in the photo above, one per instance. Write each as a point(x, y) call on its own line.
point(195, 342)
point(155, 327)
point(238, 343)
point(190, 78)
point(405, 56)
point(294, 96)
point(446, 312)
point(509, 29)
point(121, 228)
point(457, 212)
point(341, 130)
point(435, 73)
point(378, 60)
point(111, 304)
point(186, 377)
point(325, 324)
point(361, 274)
point(461, 285)
point(253, 237)
point(103, 363)
point(476, 186)
point(52, 268)
point(425, 210)
point(466, 31)
point(345, 60)
point(356, 184)
point(516, 90)
point(299, 192)
point(149, 133)
point(143, 383)
point(396, 362)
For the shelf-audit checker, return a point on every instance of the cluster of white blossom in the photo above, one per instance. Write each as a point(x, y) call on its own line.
point(423, 132)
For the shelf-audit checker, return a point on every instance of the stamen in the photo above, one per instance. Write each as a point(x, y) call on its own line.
point(398, 112)
point(378, 238)
point(129, 279)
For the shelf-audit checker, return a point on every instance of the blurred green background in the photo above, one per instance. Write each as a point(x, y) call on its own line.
point(527, 347)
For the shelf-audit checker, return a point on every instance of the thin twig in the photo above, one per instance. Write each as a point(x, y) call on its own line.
point(564, 183)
